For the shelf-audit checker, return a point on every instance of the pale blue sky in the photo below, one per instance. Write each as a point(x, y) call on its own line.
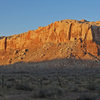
point(18, 16)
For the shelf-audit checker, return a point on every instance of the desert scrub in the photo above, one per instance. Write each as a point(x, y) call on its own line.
point(25, 87)
point(2, 81)
point(91, 86)
point(47, 92)
point(87, 96)
point(1, 94)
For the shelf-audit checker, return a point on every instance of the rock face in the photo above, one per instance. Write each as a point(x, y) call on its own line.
point(84, 35)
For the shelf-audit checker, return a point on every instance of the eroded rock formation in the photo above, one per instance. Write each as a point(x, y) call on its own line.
point(83, 37)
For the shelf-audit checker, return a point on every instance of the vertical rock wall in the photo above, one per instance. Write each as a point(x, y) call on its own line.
point(58, 32)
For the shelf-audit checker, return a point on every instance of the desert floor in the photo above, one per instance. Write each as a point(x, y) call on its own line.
point(62, 79)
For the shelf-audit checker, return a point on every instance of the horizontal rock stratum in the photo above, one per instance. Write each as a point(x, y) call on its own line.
point(65, 38)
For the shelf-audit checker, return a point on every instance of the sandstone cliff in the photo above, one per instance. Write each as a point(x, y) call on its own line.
point(76, 38)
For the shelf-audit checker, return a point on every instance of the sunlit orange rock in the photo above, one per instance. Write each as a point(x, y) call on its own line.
point(85, 34)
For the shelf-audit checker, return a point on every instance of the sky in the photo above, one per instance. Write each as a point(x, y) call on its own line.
point(18, 16)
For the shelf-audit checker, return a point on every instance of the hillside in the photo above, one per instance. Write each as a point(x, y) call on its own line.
point(61, 39)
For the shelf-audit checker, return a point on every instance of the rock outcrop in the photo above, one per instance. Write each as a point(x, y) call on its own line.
point(83, 35)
